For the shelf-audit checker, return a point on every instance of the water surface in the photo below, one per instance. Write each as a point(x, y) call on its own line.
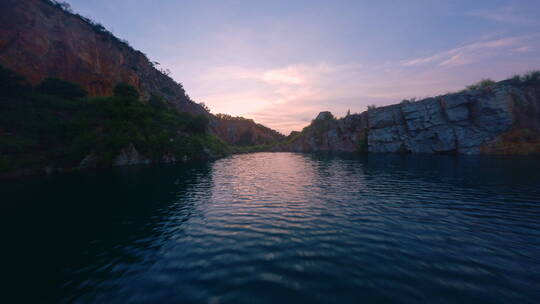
point(279, 227)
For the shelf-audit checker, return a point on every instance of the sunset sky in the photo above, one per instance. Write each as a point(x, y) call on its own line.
point(282, 62)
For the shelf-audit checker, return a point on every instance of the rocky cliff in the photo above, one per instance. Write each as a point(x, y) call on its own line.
point(39, 39)
point(502, 118)
point(325, 133)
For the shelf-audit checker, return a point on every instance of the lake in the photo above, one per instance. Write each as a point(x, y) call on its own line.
point(278, 228)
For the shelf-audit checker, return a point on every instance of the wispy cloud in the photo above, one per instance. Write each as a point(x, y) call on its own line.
point(239, 90)
point(468, 53)
point(506, 14)
point(523, 49)
point(287, 98)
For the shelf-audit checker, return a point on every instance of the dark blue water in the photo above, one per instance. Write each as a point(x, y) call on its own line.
point(278, 228)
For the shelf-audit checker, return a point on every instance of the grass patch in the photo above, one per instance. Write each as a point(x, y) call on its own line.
point(482, 84)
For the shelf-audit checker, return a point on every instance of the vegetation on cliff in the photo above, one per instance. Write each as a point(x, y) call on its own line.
point(244, 132)
point(51, 126)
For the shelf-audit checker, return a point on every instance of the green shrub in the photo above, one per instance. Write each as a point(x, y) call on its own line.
point(60, 88)
point(198, 125)
point(245, 139)
point(482, 84)
point(531, 76)
point(158, 102)
point(371, 107)
point(126, 90)
point(204, 106)
point(405, 101)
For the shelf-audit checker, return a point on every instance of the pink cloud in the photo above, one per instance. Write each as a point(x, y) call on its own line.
point(468, 53)
point(507, 14)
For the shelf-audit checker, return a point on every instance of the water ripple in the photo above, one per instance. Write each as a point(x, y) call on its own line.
point(269, 227)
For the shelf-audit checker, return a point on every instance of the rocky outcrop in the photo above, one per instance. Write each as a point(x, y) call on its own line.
point(325, 115)
point(130, 156)
point(326, 133)
point(500, 119)
point(455, 123)
point(39, 40)
point(244, 132)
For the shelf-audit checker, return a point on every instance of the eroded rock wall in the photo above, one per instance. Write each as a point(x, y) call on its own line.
point(500, 119)
point(328, 134)
point(455, 123)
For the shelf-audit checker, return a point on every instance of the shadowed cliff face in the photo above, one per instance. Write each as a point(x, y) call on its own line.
point(328, 134)
point(38, 40)
point(500, 119)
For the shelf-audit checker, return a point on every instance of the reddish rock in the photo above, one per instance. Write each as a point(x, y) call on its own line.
point(39, 40)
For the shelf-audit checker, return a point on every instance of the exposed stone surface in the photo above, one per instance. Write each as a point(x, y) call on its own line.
point(454, 123)
point(329, 134)
point(130, 156)
point(501, 119)
point(515, 142)
point(38, 40)
point(89, 161)
point(325, 115)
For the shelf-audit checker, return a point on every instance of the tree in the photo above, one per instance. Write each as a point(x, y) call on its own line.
point(204, 106)
point(61, 88)
point(62, 5)
point(126, 90)
point(165, 72)
point(531, 76)
point(158, 102)
point(246, 138)
point(198, 125)
point(482, 84)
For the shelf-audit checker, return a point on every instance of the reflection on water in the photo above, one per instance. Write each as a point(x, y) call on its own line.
point(268, 227)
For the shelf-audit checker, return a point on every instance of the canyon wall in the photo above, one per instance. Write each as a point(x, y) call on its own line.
point(503, 118)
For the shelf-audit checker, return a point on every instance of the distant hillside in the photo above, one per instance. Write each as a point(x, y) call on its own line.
point(244, 132)
point(42, 38)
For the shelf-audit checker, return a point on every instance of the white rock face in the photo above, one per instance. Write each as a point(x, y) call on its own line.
point(130, 156)
point(453, 123)
point(460, 123)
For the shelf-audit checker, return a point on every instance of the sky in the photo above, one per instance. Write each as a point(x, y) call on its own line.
point(282, 62)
